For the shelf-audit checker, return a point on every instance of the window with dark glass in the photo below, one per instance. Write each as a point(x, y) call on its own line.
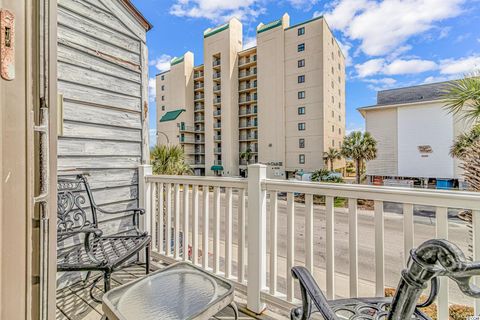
point(301, 158)
point(301, 79)
point(301, 94)
point(301, 63)
point(301, 31)
point(301, 126)
point(301, 47)
point(301, 143)
point(301, 110)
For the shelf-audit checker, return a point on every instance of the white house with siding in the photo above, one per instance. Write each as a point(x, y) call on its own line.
point(414, 132)
point(103, 91)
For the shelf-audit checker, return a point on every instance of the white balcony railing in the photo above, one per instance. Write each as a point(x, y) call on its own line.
point(307, 232)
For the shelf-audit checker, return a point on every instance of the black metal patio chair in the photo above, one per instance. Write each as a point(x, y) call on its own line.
point(85, 248)
point(434, 258)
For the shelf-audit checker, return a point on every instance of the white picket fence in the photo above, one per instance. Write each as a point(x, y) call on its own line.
point(202, 212)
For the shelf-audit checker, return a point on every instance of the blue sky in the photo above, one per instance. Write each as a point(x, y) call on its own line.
point(388, 44)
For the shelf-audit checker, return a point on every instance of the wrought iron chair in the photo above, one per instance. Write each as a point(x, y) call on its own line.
point(434, 258)
point(77, 222)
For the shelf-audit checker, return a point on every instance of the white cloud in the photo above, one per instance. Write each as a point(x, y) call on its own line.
point(217, 10)
point(400, 67)
point(250, 42)
point(152, 85)
point(345, 47)
point(369, 68)
point(460, 66)
point(383, 26)
point(433, 79)
point(162, 63)
point(444, 32)
point(303, 4)
point(381, 84)
point(396, 67)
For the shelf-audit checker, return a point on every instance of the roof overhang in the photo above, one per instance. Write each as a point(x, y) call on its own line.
point(216, 168)
point(363, 110)
point(137, 14)
point(171, 115)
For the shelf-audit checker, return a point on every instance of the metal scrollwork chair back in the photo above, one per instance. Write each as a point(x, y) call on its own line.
point(433, 259)
point(82, 246)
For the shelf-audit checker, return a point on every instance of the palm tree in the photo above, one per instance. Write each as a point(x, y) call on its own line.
point(169, 160)
point(247, 155)
point(464, 142)
point(331, 155)
point(359, 147)
point(462, 97)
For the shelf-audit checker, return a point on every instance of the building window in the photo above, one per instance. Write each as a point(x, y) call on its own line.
point(332, 40)
point(333, 70)
point(333, 86)
point(163, 88)
point(301, 126)
point(333, 99)
point(333, 128)
point(333, 114)
point(301, 79)
point(163, 108)
point(333, 143)
point(301, 94)
point(339, 66)
point(339, 131)
point(301, 47)
point(301, 31)
point(339, 118)
point(301, 143)
point(339, 53)
point(339, 80)
point(301, 63)
point(301, 110)
point(339, 105)
point(163, 78)
point(163, 98)
point(332, 56)
point(301, 158)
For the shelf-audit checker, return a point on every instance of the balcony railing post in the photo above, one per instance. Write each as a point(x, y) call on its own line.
point(144, 201)
point(257, 213)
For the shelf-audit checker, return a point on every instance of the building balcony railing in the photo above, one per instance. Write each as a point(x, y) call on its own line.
point(217, 125)
point(185, 128)
point(217, 150)
point(391, 236)
point(199, 119)
point(247, 112)
point(216, 75)
point(199, 129)
point(198, 85)
point(217, 113)
point(216, 63)
point(184, 140)
point(217, 138)
point(199, 151)
point(199, 97)
point(247, 86)
point(217, 87)
point(200, 140)
point(199, 107)
point(218, 162)
point(247, 99)
point(248, 124)
point(244, 74)
point(198, 75)
point(217, 100)
point(246, 61)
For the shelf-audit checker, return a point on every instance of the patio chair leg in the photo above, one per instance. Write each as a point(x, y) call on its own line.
point(106, 281)
point(147, 258)
point(87, 277)
point(92, 287)
point(233, 306)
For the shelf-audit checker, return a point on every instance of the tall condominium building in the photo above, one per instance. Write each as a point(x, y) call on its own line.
point(281, 103)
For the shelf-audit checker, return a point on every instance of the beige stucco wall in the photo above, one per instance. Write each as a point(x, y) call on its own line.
point(226, 44)
point(178, 94)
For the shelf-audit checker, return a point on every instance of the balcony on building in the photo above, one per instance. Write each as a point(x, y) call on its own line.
point(217, 138)
point(217, 113)
point(199, 106)
point(216, 63)
point(217, 100)
point(199, 96)
point(217, 75)
point(198, 86)
point(198, 75)
point(217, 88)
point(247, 74)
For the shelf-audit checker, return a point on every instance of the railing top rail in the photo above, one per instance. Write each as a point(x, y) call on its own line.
point(427, 197)
point(228, 182)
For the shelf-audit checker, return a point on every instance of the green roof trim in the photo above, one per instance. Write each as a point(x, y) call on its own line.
point(216, 168)
point(211, 32)
point(171, 115)
point(269, 26)
point(176, 61)
point(304, 22)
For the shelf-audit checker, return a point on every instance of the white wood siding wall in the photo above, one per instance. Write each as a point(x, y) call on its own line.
point(382, 124)
point(102, 75)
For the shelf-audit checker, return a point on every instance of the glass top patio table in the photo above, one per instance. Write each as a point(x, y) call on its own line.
point(179, 291)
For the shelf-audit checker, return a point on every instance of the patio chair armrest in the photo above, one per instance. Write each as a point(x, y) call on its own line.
point(134, 210)
point(86, 231)
point(310, 293)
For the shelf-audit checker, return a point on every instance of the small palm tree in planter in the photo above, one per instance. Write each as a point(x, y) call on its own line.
point(247, 155)
point(169, 160)
point(359, 147)
point(330, 156)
